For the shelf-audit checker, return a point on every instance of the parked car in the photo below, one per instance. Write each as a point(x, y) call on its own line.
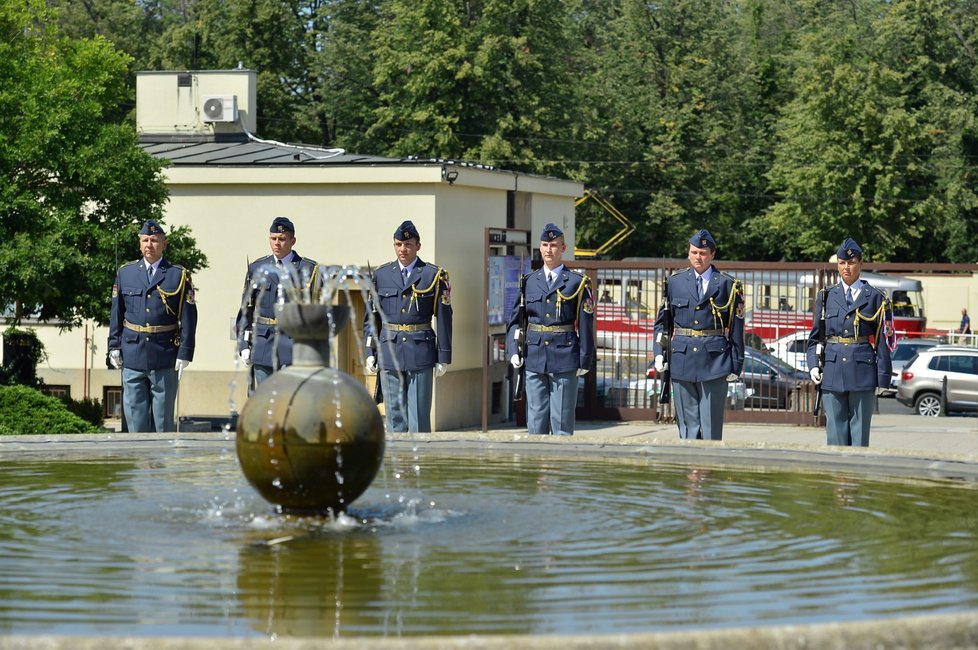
point(902, 353)
point(791, 349)
point(922, 378)
point(770, 380)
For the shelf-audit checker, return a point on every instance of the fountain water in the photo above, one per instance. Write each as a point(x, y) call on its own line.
point(310, 438)
point(479, 535)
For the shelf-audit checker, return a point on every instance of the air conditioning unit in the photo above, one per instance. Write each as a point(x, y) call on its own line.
point(219, 108)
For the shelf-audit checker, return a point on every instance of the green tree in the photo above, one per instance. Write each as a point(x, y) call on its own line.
point(479, 80)
point(340, 75)
point(132, 27)
point(671, 103)
point(72, 184)
point(878, 143)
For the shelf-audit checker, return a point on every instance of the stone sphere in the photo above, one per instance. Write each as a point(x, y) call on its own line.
point(310, 440)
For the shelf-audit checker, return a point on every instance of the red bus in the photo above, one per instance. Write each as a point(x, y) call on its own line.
point(778, 303)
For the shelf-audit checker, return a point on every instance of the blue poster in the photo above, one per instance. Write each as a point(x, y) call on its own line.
point(504, 285)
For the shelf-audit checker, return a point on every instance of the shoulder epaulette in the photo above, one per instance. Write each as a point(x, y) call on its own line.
point(879, 291)
point(129, 264)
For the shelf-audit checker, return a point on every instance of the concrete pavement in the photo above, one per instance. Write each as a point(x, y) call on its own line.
point(891, 433)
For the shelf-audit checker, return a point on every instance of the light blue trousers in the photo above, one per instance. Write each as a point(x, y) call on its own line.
point(551, 402)
point(848, 416)
point(259, 374)
point(407, 400)
point(146, 392)
point(699, 408)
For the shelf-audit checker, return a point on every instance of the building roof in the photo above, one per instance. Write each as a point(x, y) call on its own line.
point(257, 152)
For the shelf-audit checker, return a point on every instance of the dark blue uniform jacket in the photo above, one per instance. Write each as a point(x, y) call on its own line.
point(257, 315)
point(167, 302)
point(703, 358)
point(857, 366)
point(556, 352)
point(426, 295)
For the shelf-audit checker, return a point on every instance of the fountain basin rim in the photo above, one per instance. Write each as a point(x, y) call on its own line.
point(928, 631)
point(880, 463)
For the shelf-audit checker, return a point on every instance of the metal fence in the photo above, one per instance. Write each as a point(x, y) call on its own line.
point(628, 295)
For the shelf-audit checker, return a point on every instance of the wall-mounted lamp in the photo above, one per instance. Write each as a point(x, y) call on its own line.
point(450, 175)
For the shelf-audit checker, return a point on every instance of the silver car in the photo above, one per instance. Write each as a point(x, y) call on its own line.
point(902, 353)
point(922, 380)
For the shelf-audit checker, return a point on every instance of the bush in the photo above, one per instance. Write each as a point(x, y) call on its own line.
point(25, 410)
point(22, 351)
point(88, 409)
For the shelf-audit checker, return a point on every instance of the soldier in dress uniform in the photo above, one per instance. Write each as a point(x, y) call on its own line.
point(707, 346)
point(559, 337)
point(151, 332)
point(260, 344)
point(411, 292)
point(858, 330)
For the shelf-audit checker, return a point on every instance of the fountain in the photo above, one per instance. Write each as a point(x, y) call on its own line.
point(468, 539)
point(310, 438)
point(143, 537)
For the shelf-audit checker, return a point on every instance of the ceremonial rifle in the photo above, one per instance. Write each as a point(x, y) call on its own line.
point(519, 383)
point(820, 351)
point(665, 340)
point(372, 334)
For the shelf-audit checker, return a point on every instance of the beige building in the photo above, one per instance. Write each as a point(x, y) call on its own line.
point(228, 185)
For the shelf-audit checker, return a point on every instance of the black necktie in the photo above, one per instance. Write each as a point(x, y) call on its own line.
point(699, 287)
point(849, 297)
point(149, 274)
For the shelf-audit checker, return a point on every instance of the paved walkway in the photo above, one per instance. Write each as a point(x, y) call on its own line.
point(946, 435)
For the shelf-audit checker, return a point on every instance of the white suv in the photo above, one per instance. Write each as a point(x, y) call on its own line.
point(922, 380)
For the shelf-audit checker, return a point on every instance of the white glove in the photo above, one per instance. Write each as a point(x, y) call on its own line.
point(371, 365)
point(660, 363)
point(245, 356)
point(816, 374)
point(515, 361)
point(181, 364)
point(440, 369)
point(581, 372)
point(115, 358)
point(880, 391)
point(732, 377)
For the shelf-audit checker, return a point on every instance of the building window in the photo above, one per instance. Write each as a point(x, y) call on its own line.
point(61, 391)
point(112, 401)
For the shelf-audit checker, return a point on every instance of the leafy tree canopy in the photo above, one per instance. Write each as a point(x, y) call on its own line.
point(780, 126)
point(74, 185)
